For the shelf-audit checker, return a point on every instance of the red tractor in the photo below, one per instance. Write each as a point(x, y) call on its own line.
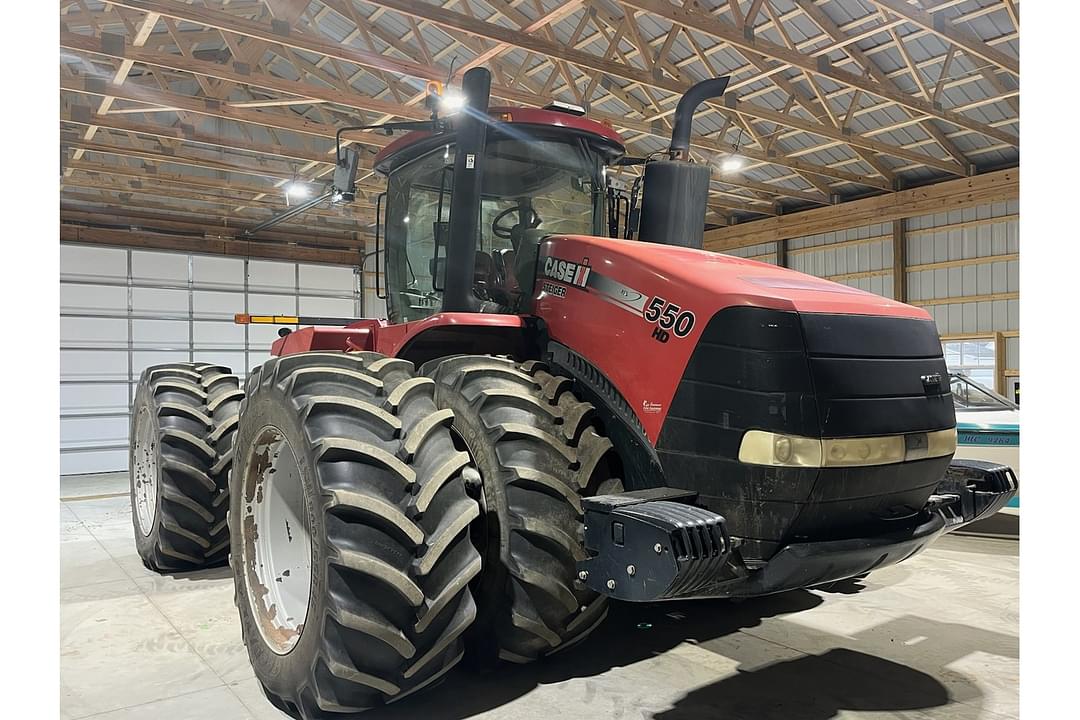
point(547, 419)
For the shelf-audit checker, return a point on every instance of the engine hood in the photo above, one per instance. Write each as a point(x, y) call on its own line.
point(732, 280)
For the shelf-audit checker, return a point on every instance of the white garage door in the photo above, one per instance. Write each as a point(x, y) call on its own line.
point(122, 310)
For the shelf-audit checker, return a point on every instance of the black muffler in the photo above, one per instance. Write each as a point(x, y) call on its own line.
point(676, 191)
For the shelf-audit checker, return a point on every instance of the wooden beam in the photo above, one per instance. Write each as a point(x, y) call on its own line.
point(949, 195)
point(645, 78)
point(140, 221)
point(214, 108)
point(721, 30)
point(229, 72)
point(309, 42)
point(210, 246)
point(957, 36)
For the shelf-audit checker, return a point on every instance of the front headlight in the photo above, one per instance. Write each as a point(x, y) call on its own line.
point(760, 447)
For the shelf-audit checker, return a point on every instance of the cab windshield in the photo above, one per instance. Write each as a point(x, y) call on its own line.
point(549, 184)
point(969, 395)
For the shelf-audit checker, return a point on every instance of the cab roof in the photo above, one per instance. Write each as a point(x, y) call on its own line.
point(604, 134)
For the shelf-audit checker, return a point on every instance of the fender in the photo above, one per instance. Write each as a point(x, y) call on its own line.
point(423, 340)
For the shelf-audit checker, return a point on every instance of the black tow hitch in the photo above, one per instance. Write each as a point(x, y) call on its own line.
point(652, 545)
point(973, 490)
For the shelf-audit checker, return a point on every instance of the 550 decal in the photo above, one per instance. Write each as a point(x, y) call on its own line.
point(668, 317)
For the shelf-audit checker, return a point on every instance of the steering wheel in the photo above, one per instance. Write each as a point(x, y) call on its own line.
point(503, 231)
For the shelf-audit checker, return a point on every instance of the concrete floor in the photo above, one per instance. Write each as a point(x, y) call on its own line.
point(935, 637)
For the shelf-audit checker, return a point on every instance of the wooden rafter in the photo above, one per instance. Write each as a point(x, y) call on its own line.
point(264, 89)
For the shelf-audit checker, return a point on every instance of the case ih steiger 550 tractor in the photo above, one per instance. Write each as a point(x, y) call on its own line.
point(549, 418)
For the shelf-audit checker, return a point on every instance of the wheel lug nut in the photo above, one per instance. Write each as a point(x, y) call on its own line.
point(610, 584)
point(630, 569)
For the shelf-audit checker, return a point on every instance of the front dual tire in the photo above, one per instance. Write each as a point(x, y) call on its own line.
point(357, 547)
point(349, 523)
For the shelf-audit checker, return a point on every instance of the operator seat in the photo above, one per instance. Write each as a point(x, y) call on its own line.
point(525, 259)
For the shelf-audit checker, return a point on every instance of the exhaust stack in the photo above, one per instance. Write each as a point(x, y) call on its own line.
point(471, 128)
point(675, 190)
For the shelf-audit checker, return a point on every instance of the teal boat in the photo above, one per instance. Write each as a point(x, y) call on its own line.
point(987, 426)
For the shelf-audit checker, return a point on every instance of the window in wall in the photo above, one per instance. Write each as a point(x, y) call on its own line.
point(974, 358)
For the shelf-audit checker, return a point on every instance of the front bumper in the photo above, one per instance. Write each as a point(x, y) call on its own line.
point(643, 547)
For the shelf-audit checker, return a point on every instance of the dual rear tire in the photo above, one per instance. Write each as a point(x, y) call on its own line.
point(183, 424)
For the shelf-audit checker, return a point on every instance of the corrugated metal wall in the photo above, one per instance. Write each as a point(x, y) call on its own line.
point(962, 266)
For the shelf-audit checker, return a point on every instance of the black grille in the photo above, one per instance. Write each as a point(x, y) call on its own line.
point(814, 376)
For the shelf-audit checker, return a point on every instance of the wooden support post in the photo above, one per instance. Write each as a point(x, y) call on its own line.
point(899, 262)
point(781, 253)
point(999, 362)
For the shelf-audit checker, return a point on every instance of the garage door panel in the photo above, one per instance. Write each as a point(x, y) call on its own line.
point(96, 332)
point(327, 307)
point(154, 334)
point(158, 300)
point(93, 364)
point(77, 260)
point(169, 321)
point(97, 396)
point(159, 267)
point(93, 299)
point(82, 431)
point(327, 279)
point(215, 272)
point(265, 275)
point(271, 304)
point(211, 304)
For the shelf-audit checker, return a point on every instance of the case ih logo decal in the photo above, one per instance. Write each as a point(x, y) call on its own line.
point(668, 317)
point(576, 274)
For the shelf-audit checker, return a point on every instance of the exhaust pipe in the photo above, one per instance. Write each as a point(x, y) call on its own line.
point(470, 127)
point(676, 191)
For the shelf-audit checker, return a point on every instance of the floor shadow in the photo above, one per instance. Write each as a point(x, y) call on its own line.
point(878, 669)
point(221, 572)
point(631, 633)
point(812, 687)
point(894, 666)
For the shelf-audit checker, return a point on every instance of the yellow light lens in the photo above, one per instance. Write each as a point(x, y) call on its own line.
point(760, 447)
point(765, 448)
point(853, 452)
point(942, 442)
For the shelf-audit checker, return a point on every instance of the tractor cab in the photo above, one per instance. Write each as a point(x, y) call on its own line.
point(543, 173)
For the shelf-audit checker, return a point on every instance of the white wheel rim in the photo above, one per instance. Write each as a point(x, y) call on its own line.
point(145, 472)
point(276, 541)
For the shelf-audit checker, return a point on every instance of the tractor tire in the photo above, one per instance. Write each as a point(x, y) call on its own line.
point(361, 462)
point(182, 428)
point(538, 453)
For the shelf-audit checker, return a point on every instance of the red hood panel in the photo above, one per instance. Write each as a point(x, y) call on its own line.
point(726, 280)
point(636, 310)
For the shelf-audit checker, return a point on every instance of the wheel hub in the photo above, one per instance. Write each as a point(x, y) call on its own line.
point(145, 472)
point(276, 541)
